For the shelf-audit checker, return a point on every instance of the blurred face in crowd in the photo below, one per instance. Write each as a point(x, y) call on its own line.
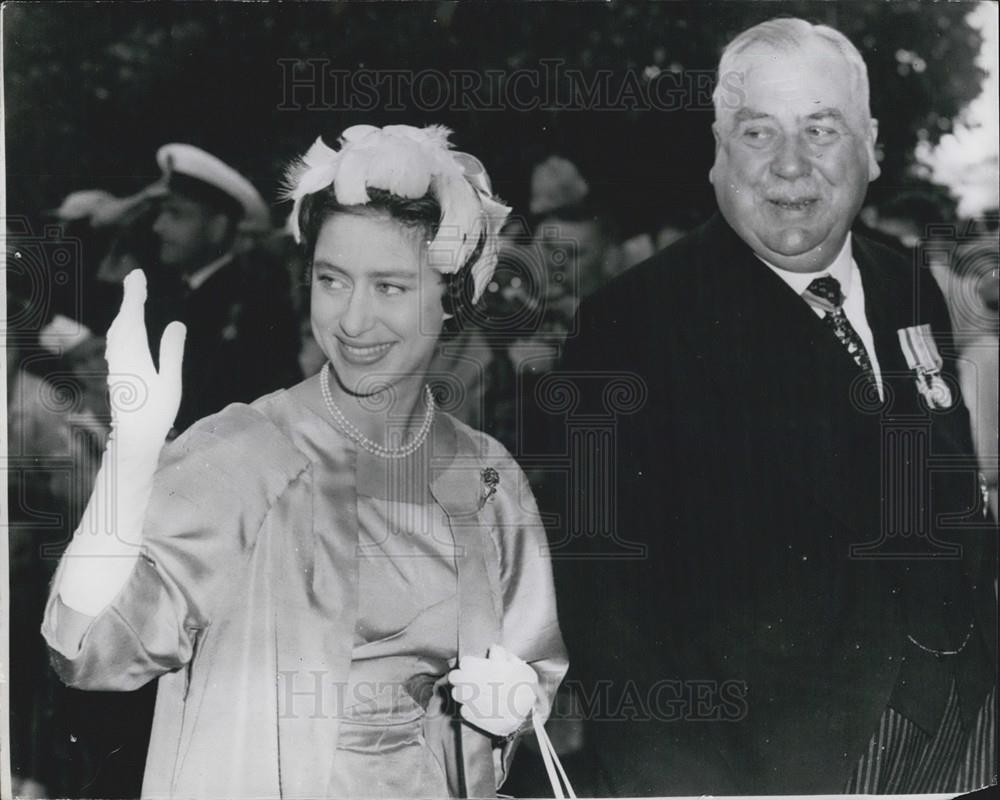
point(794, 159)
point(573, 255)
point(191, 233)
point(376, 306)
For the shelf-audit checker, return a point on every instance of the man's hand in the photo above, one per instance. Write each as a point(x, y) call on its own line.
point(496, 693)
point(144, 402)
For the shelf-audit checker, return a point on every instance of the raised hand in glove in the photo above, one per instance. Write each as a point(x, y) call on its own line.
point(144, 403)
point(496, 693)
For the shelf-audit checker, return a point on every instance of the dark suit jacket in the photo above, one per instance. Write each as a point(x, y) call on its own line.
point(242, 340)
point(744, 537)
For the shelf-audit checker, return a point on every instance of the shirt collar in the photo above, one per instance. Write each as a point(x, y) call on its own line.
point(198, 278)
point(842, 269)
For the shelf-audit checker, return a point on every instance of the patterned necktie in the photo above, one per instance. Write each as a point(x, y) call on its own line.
point(824, 293)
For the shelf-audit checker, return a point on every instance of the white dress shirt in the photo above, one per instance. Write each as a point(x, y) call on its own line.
point(845, 269)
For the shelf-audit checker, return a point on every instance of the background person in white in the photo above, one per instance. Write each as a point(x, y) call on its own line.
point(747, 650)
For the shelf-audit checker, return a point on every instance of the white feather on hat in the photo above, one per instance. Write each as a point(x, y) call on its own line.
point(409, 162)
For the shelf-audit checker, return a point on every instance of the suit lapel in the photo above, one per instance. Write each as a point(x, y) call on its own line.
point(793, 379)
point(886, 314)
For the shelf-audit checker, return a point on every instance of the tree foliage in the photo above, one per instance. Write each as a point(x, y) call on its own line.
point(93, 89)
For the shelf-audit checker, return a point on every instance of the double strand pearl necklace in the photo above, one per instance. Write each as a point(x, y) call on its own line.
point(355, 435)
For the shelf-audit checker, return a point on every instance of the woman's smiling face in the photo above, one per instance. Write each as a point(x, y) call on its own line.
point(375, 304)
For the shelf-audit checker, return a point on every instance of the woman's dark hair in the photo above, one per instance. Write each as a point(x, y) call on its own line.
point(422, 214)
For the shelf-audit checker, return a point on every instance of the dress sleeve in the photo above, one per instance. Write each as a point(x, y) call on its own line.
point(212, 491)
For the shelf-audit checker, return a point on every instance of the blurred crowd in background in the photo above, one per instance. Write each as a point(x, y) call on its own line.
point(242, 288)
point(234, 276)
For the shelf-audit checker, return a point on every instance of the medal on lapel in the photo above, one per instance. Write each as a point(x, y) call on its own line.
point(923, 358)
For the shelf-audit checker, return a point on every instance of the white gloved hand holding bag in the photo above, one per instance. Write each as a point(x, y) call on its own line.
point(496, 693)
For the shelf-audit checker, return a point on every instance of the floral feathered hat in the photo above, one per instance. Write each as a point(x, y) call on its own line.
point(409, 162)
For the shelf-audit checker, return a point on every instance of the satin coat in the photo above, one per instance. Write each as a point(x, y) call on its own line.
point(244, 601)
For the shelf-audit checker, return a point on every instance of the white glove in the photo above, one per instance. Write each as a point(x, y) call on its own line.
point(144, 403)
point(496, 693)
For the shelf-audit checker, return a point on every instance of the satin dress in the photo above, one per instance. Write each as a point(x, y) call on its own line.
point(405, 641)
point(301, 602)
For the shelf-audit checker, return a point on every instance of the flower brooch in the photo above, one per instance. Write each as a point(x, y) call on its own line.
point(491, 479)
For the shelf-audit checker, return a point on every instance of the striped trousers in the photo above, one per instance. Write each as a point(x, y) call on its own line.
point(902, 758)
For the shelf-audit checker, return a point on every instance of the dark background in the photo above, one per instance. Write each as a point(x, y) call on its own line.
point(93, 89)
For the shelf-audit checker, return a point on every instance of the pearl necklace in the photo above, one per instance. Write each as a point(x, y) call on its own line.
point(355, 435)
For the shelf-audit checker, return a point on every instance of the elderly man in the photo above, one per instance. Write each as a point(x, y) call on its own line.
point(775, 568)
point(242, 338)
